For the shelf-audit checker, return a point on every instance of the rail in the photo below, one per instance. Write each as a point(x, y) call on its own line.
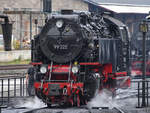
point(84, 108)
point(106, 110)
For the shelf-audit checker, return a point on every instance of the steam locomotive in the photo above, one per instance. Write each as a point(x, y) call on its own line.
point(77, 54)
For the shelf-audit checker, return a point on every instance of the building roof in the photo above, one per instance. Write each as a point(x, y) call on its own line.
point(122, 7)
point(126, 8)
point(133, 2)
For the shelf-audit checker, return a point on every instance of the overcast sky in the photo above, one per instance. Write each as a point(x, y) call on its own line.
point(136, 2)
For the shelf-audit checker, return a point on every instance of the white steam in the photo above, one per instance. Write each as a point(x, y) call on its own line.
point(105, 99)
point(102, 99)
point(32, 103)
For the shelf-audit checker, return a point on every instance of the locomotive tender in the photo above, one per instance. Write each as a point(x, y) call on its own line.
point(77, 54)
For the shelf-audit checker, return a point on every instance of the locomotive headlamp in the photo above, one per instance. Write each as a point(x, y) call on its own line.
point(91, 45)
point(75, 69)
point(43, 69)
point(59, 23)
point(133, 52)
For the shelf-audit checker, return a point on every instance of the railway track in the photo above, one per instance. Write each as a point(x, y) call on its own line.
point(76, 110)
point(106, 110)
point(119, 110)
point(14, 67)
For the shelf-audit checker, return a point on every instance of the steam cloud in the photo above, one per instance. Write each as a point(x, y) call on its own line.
point(32, 103)
point(102, 99)
point(105, 99)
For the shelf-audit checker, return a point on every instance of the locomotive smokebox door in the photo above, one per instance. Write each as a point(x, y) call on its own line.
point(54, 89)
point(109, 52)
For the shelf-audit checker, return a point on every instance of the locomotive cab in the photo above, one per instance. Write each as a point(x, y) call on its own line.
point(76, 54)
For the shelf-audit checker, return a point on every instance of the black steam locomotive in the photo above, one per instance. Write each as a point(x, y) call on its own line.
point(76, 54)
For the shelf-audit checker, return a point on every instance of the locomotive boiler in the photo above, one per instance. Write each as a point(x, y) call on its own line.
point(77, 54)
